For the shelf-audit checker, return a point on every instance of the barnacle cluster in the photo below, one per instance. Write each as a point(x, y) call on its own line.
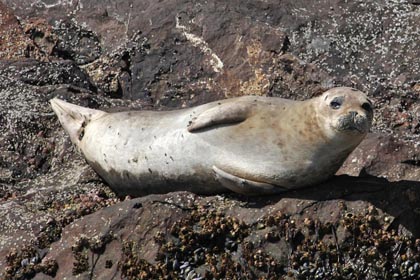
point(366, 250)
point(199, 246)
point(26, 262)
point(211, 245)
point(85, 247)
point(133, 266)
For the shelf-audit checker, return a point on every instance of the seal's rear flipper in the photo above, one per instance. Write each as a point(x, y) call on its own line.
point(245, 186)
point(225, 113)
point(74, 118)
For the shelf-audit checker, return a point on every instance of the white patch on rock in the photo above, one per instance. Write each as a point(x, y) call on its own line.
point(215, 61)
point(51, 4)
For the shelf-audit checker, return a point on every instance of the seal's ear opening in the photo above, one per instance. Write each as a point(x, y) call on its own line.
point(74, 118)
point(367, 107)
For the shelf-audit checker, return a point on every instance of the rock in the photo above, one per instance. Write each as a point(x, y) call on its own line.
point(60, 220)
point(187, 54)
point(36, 73)
point(33, 39)
point(177, 225)
point(385, 156)
point(13, 41)
point(145, 66)
point(76, 43)
point(42, 36)
point(26, 119)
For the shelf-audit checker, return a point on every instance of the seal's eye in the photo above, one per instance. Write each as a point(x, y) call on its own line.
point(335, 105)
point(366, 106)
point(337, 102)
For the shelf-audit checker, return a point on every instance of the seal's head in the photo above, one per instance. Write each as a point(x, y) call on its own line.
point(345, 113)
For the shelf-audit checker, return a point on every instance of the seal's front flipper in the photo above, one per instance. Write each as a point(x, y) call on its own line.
point(225, 113)
point(245, 186)
point(74, 118)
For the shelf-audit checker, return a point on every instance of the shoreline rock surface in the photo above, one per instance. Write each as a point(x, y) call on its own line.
point(58, 219)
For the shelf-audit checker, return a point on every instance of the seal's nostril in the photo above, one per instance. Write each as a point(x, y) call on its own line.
point(367, 107)
point(353, 113)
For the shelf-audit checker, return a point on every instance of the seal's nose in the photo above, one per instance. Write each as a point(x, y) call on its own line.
point(353, 114)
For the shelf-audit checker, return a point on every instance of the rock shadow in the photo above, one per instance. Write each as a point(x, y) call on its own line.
point(400, 199)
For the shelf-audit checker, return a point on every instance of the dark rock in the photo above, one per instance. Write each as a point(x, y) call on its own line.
point(76, 43)
point(142, 54)
point(186, 64)
point(25, 117)
point(42, 36)
point(37, 73)
point(202, 51)
point(414, 2)
point(385, 156)
point(334, 208)
point(13, 42)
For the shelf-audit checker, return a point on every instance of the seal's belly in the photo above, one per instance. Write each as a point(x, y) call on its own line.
point(262, 155)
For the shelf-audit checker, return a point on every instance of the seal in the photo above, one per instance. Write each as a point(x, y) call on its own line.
point(251, 145)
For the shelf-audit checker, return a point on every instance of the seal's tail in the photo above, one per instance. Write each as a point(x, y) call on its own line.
point(74, 118)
